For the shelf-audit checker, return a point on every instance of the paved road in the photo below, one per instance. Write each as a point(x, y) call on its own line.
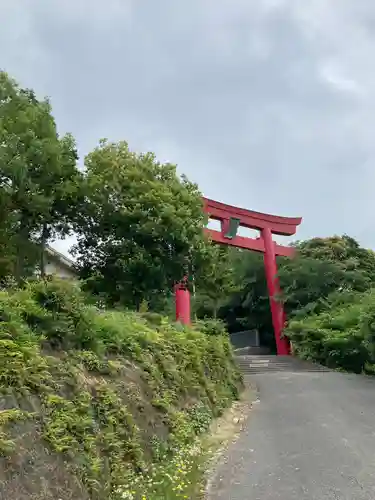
point(311, 436)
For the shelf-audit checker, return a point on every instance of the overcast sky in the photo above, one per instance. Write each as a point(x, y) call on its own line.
point(267, 104)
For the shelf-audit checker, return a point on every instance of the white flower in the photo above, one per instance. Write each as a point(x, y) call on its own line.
point(127, 495)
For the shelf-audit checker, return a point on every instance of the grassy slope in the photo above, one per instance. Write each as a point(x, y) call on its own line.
point(103, 404)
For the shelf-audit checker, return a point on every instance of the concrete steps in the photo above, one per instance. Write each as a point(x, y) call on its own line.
point(252, 350)
point(268, 363)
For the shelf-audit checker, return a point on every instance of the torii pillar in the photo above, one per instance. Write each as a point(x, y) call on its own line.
point(231, 218)
point(182, 302)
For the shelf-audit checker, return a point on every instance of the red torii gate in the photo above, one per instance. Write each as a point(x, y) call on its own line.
point(231, 218)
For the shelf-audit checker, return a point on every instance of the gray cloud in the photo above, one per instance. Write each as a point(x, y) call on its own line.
point(267, 104)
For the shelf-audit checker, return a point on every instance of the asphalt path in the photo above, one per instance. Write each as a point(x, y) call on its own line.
point(311, 436)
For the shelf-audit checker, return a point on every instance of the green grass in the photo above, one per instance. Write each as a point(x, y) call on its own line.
point(118, 399)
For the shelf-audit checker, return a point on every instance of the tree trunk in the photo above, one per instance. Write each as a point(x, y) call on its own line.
point(215, 311)
point(22, 245)
point(194, 295)
point(43, 246)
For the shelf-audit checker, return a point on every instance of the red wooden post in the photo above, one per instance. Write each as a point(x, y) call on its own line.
point(277, 310)
point(182, 302)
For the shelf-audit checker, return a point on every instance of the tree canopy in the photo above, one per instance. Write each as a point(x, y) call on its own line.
point(39, 180)
point(323, 266)
point(142, 226)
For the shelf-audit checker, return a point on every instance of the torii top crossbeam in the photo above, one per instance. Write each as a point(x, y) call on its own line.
point(232, 218)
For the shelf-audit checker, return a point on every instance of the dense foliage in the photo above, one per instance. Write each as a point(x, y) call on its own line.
point(39, 181)
point(247, 307)
point(340, 336)
point(143, 226)
point(329, 294)
point(113, 395)
point(323, 266)
point(213, 281)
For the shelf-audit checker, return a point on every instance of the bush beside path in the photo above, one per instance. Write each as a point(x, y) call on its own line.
point(104, 404)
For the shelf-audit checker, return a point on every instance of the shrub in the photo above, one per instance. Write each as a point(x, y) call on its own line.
point(211, 326)
point(115, 394)
point(65, 318)
point(342, 336)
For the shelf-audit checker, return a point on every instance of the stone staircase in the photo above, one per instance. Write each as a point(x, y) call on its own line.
point(253, 350)
point(251, 364)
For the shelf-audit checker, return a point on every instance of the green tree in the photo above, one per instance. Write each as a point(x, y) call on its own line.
point(38, 178)
point(248, 307)
point(307, 283)
point(214, 280)
point(343, 249)
point(323, 266)
point(142, 228)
